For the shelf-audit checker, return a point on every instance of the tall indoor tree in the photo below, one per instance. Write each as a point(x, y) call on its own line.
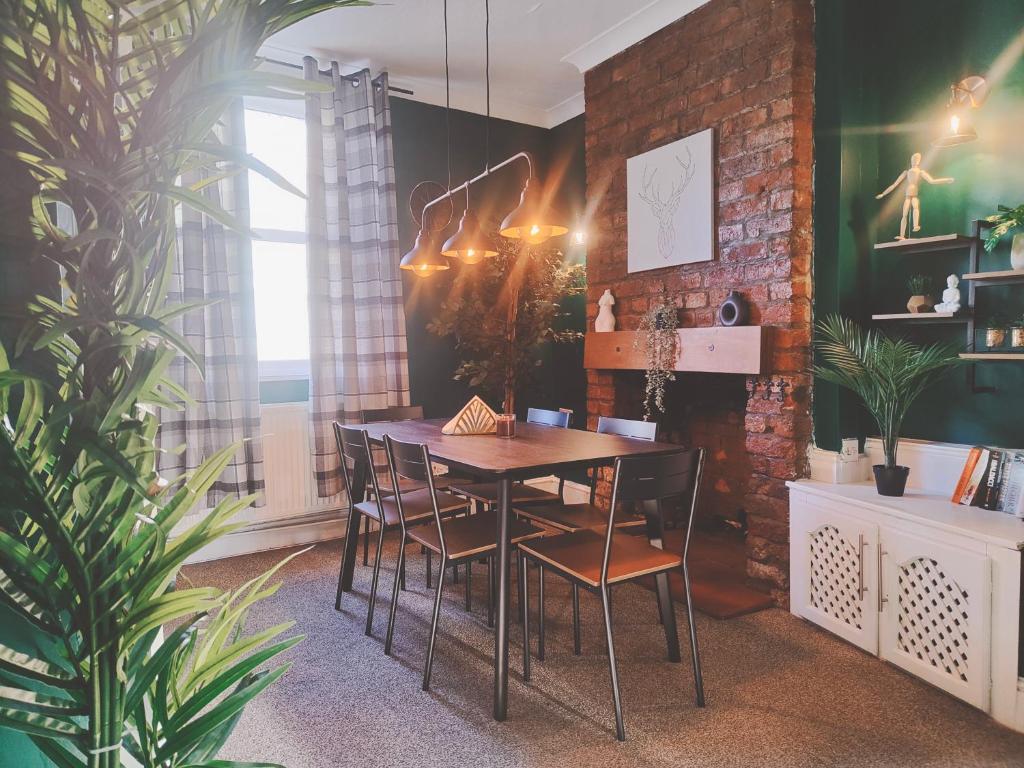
point(108, 104)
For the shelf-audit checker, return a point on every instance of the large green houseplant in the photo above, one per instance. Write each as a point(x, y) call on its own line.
point(503, 310)
point(108, 104)
point(887, 374)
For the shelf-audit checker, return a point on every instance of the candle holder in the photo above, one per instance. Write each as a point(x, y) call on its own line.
point(506, 425)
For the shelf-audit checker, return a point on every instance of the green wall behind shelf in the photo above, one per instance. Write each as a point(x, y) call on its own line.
point(883, 77)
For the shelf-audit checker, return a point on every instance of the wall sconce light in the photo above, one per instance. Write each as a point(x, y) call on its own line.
point(958, 128)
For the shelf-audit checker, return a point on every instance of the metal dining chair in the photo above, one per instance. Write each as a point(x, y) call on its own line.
point(570, 518)
point(597, 560)
point(384, 509)
point(454, 539)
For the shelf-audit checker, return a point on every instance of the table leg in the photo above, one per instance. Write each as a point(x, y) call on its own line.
point(348, 556)
point(501, 625)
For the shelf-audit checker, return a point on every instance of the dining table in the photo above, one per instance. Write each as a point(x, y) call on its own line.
point(535, 451)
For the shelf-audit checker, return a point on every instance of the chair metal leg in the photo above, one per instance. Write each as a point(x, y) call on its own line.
point(698, 677)
point(576, 619)
point(366, 541)
point(394, 599)
point(524, 607)
point(668, 615)
point(430, 568)
point(490, 592)
point(620, 729)
point(540, 615)
point(433, 629)
point(373, 582)
point(469, 586)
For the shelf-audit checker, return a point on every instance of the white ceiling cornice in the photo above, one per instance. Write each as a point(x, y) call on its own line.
point(630, 31)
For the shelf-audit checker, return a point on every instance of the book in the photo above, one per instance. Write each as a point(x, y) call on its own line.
point(976, 479)
point(1010, 497)
point(965, 475)
point(989, 494)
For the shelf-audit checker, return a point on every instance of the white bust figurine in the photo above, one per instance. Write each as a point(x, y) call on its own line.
point(950, 296)
point(605, 319)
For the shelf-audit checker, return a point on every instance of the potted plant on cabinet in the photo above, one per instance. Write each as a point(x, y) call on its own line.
point(888, 375)
point(660, 342)
point(921, 300)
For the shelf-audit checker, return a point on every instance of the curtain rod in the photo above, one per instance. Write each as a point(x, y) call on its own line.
point(393, 88)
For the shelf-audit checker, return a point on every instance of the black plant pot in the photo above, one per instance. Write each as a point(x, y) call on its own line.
point(890, 481)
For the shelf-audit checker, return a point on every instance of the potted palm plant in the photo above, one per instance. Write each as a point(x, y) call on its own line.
point(888, 375)
point(109, 104)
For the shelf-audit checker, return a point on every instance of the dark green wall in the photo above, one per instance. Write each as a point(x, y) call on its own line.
point(883, 74)
point(419, 143)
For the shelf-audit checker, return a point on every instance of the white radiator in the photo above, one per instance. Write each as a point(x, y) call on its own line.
point(293, 513)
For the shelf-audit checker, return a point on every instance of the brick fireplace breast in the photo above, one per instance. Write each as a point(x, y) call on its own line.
point(744, 68)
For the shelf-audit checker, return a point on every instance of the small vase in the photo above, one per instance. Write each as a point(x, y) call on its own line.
point(1017, 251)
point(890, 481)
point(1017, 337)
point(919, 304)
point(994, 337)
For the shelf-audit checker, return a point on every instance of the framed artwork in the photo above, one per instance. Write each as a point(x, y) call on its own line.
point(670, 204)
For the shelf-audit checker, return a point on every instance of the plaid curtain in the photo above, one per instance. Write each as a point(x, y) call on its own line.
point(214, 264)
point(358, 355)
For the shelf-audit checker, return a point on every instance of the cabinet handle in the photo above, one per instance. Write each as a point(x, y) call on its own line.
point(860, 567)
point(881, 598)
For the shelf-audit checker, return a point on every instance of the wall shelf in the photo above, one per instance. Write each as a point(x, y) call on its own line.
point(992, 356)
point(927, 244)
point(717, 349)
point(924, 317)
point(1003, 277)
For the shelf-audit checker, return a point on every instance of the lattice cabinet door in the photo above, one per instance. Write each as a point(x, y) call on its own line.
point(834, 574)
point(935, 619)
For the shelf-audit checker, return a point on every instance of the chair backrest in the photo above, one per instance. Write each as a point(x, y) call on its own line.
point(548, 418)
point(354, 447)
point(412, 461)
point(394, 413)
point(641, 430)
point(655, 478)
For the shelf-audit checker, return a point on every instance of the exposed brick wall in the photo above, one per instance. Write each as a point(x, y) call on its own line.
point(744, 68)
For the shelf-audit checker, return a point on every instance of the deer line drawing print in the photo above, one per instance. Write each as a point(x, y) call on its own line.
point(665, 210)
point(670, 204)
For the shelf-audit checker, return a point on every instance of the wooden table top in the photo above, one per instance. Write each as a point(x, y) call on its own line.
point(535, 448)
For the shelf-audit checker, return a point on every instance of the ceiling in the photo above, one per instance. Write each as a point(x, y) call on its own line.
point(539, 48)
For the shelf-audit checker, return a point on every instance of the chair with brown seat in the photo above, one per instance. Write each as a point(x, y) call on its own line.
point(396, 413)
point(417, 505)
point(487, 493)
point(455, 539)
point(570, 518)
point(597, 560)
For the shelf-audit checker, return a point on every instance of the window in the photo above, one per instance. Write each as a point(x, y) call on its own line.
point(278, 218)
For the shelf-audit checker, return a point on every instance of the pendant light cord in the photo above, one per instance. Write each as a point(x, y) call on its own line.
point(447, 99)
point(487, 78)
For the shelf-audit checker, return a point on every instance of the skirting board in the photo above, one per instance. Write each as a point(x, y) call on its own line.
point(322, 525)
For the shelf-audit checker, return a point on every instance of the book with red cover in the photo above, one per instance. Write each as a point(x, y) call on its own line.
point(965, 476)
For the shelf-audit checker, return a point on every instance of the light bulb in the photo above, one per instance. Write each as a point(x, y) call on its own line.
point(954, 124)
point(534, 230)
point(579, 237)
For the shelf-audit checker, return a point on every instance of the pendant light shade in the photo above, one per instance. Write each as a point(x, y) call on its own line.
point(957, 128)
point(533, 221)
point(470, 243)
point(424, 259)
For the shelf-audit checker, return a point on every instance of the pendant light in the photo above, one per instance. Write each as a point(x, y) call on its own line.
point(532, 220)
point(424, 259)
point(470, 243)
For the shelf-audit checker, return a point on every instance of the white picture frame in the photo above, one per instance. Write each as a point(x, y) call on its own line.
point(670, 204)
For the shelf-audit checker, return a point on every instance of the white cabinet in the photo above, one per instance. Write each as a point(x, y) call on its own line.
point(935, 614)
point(929, 586)
point(834, 582)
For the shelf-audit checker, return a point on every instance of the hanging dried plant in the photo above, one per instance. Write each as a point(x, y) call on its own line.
point(659, 339)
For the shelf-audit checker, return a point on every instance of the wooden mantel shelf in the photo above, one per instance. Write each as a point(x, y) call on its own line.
point(739, 349)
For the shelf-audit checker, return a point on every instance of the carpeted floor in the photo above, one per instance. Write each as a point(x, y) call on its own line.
point(780, 693)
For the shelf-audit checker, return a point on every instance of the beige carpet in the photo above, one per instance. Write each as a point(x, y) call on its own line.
point(780, 693)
